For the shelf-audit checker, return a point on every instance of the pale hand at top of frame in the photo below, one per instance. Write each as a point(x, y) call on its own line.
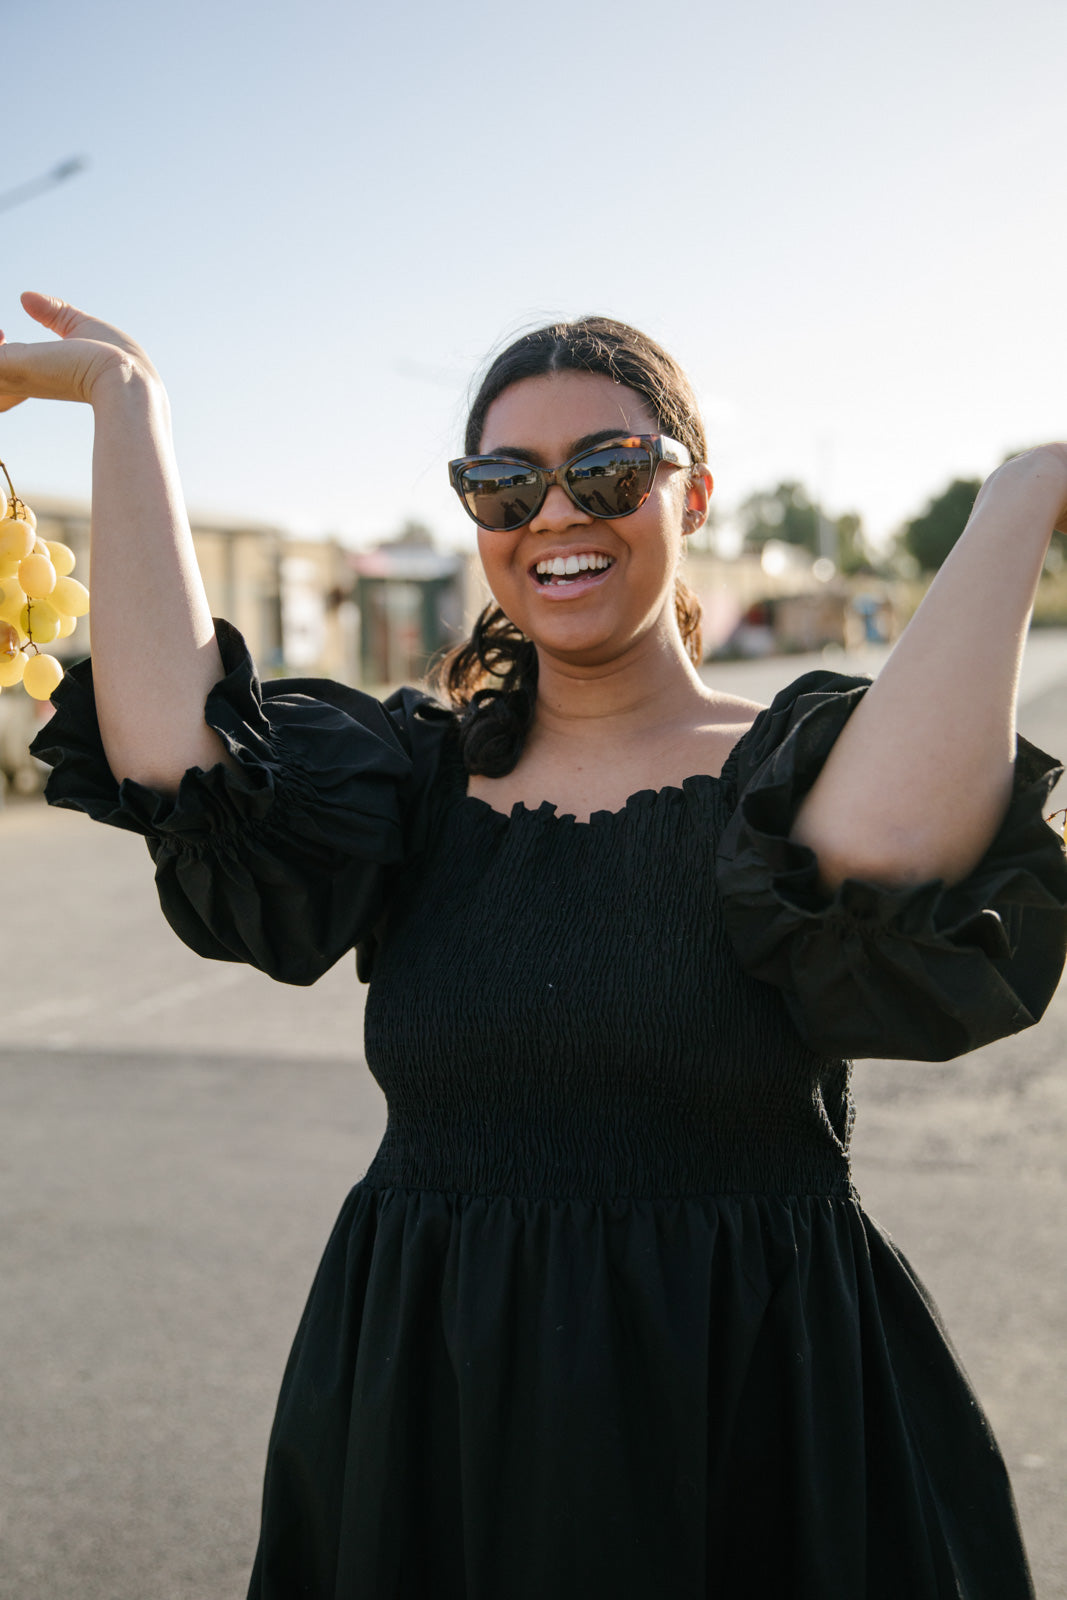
point(39, 600)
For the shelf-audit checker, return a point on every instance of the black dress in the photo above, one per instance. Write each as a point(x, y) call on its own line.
point(605, 1315)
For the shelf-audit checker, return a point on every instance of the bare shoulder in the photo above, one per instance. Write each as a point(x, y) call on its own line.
point(732, 707)
point(715, 726)
point(728, 713)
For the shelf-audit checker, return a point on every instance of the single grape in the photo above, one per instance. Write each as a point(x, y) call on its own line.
point(17, 538)
point(9, 640)
point(12, 602)
point(67, 626)
point(37, 576)
point(62, 557)
point(11, 669)
point(42, 676)
point(9, 566)
point(70, 597)
point(39, 621)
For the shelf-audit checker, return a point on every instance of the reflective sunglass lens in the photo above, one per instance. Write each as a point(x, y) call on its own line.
point(611, 482)
point(499, 494)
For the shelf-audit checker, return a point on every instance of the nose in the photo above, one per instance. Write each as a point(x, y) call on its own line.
point(558, 512)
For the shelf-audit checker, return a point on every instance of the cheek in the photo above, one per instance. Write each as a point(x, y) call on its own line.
point(662, 540)
point(489, 553)
point(495, 553)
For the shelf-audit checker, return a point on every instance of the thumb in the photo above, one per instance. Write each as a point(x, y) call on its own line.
point(49, 311)
point(70, 323)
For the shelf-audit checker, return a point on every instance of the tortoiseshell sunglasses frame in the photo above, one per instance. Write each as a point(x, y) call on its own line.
point(660, 446)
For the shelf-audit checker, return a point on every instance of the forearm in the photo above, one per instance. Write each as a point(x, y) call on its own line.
point(154, 650)
point(919, 778)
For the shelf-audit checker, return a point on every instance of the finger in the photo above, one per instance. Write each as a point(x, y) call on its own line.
point(70, 323)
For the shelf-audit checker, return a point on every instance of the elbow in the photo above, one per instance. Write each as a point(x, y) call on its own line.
point(899, 840)
point(902, 862)
point(162, 770)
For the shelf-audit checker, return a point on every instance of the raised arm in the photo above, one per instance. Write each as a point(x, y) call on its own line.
point(154, 651)
point(918, 781)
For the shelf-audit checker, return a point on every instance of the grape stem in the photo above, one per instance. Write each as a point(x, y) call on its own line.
point(10, 485)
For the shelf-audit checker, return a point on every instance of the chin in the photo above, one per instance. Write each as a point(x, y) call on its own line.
point(588, 647)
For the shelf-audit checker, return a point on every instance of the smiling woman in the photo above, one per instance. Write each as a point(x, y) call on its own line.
point(605, 1314)
point(543, 391)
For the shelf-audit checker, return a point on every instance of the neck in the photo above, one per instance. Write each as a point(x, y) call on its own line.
point(653, 683)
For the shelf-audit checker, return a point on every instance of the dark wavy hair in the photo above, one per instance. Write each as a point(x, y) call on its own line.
point(492, 677)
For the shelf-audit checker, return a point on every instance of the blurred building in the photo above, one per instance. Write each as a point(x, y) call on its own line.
point(289, 597)
point(411, 601)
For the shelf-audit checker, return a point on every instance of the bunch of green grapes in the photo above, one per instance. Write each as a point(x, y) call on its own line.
point(39, 600)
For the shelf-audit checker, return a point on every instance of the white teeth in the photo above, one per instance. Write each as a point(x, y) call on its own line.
point(567, 566)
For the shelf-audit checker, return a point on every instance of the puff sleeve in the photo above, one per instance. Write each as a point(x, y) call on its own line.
point(924, 972)
point(284, 861)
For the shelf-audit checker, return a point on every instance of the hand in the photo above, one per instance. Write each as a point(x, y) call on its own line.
point(72, 367)
point(1041, 472)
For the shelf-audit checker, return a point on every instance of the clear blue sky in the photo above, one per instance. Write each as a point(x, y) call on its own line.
point(846, 221)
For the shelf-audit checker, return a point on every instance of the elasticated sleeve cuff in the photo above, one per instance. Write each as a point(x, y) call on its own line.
point(280, 860)
point(923, 972)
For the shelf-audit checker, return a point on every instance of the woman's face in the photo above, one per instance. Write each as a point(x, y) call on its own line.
point(608, 609)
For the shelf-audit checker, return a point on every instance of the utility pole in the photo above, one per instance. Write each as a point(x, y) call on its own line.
point(48, 180)
point(827, 533)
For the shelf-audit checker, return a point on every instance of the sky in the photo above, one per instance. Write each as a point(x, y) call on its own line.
point(847, 223)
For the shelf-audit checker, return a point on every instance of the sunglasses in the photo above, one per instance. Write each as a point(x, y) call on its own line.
point(608, 480)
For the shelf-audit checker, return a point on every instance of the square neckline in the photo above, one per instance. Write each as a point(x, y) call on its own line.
point(640, 799)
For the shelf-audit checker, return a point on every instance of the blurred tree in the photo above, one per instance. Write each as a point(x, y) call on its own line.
point(784, 513)
point(788, 513)
point(853, 552)
point(930, 537)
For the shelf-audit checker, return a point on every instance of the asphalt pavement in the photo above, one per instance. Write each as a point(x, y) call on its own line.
point(179, 1135)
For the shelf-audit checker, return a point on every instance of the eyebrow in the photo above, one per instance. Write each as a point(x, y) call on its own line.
point(586, 442)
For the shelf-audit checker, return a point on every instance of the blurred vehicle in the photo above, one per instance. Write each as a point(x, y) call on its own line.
point(753, 635)
point(786, 624)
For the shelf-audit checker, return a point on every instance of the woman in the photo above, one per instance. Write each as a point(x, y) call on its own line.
point(605, 1314)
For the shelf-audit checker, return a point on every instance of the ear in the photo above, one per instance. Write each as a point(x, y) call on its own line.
point(697, 497)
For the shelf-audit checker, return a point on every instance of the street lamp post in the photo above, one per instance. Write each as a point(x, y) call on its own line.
point(48, 180)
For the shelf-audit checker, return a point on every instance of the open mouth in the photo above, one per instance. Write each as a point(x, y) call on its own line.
point(560, 572)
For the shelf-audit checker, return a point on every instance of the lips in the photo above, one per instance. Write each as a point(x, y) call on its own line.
point(570, 588)
point(571, 572)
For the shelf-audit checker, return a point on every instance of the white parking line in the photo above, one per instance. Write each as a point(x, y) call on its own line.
point(181, 994)
point(66, 1008)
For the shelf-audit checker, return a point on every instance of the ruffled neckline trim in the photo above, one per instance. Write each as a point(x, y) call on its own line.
point(698, 785)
